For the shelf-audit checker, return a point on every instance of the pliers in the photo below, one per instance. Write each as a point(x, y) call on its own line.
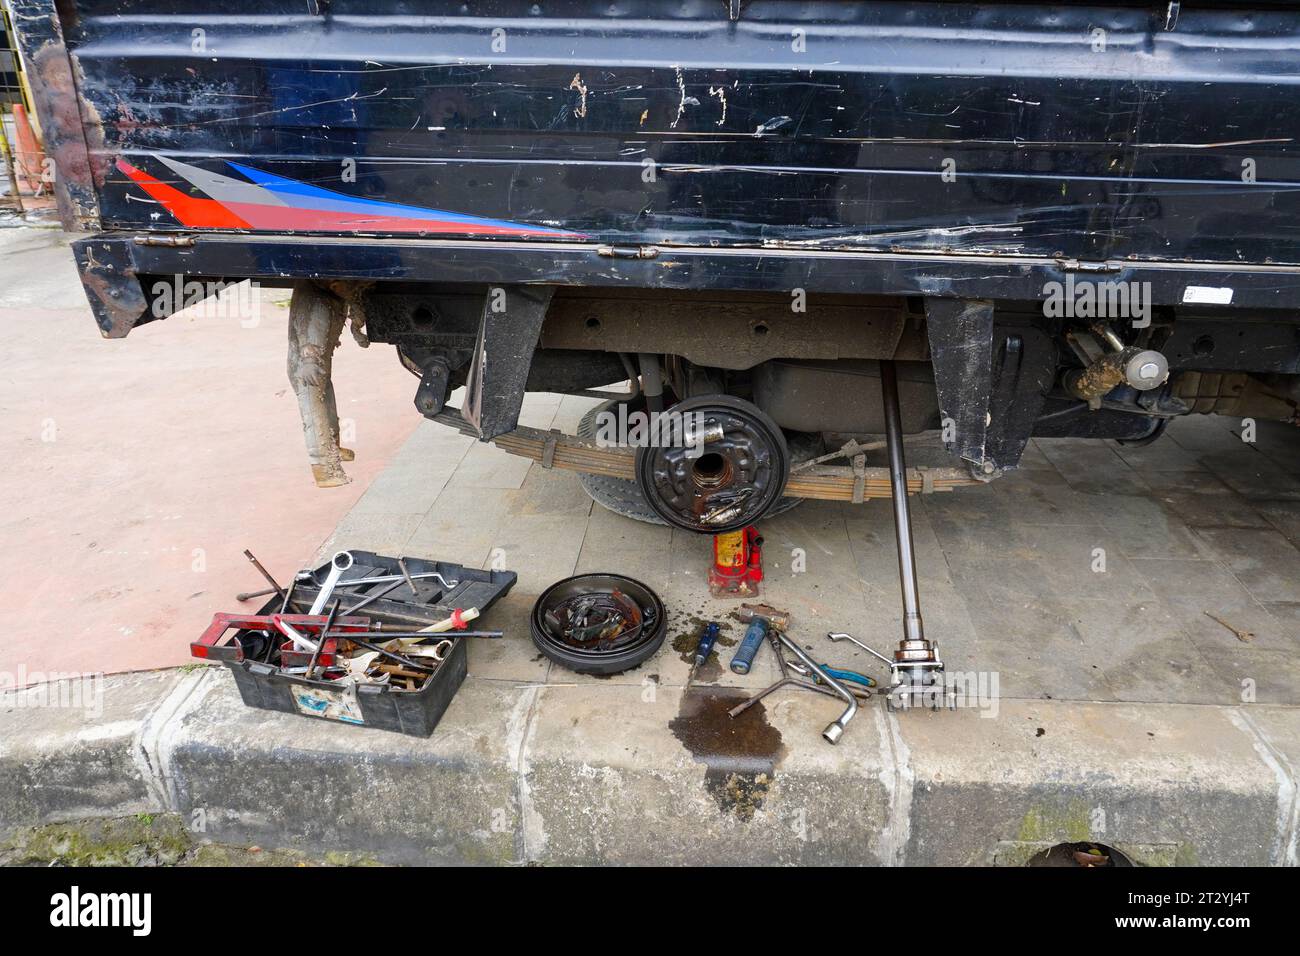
point(852, 677)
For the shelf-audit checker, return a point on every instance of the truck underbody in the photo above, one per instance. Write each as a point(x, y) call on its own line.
point(1079, 220)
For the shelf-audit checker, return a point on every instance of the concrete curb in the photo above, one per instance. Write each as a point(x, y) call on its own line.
point(638, 774)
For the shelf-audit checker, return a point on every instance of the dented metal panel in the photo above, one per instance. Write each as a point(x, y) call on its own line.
point(1090, 132)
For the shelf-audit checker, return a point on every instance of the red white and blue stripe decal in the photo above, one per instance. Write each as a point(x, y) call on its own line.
point(265, 202)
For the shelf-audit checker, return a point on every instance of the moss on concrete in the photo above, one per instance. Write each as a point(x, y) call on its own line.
point(146, 839)
point(141, 840)
point(1044, 824)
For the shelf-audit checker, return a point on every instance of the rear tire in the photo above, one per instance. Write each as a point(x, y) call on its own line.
point(622, 495)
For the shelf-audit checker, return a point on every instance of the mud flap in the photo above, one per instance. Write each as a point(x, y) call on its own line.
point(992, 381)
point(961, 347)
point(508, 331)
point(112, 288)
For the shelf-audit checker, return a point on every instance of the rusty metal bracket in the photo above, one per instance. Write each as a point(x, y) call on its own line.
point(509, 327)
point(548, 453)
point(70, 126)
point(108, 275)
point(961, 346)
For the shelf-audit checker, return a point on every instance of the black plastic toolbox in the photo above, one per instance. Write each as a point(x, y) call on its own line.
point(366, 705)
point(417, 712)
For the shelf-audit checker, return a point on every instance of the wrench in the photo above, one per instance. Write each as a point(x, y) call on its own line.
point(308, 578)
point(849, 637)
point(835, 729)
point(338, 564)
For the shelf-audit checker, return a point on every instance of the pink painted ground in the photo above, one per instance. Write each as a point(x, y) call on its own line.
point(136, 471)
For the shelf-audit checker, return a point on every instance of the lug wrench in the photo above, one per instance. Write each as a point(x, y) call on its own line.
point(749, 702)
point(835, 729)
point(837, 636)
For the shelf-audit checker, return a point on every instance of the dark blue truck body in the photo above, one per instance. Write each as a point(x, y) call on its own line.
point(896, 153)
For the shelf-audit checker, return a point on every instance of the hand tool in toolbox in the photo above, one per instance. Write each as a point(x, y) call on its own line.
point(760, 618)
point(377, 630)
point(275, 588)
point(207, 648)
point(411, 590)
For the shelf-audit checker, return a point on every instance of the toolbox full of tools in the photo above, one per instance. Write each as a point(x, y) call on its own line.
point(364, 639)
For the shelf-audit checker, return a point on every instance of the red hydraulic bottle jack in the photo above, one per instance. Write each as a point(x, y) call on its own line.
point(737, 563)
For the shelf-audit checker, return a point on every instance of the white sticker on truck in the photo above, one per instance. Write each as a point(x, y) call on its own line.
point(1207, 295)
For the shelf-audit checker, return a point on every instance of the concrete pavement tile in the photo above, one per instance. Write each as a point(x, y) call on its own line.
point(874, 544)
point(1049, 666)
point(1264, 561)
point(1193, 590)
point(461, 526)
point(1280, 443)
point(1287, 613)
point(513, 657)
point(1257, 674)
point(485, 467)
point(1034, 645)
point(1144, 655)
point(541, 549)
point(433, 447)
point(1205, 434)
point(1284, 516)
point(1252, 475)
point(551, 492)
point(384, 533)
point(1162, 455)
point(625, 546)
point(1092, 466)
point(570, 412)
point(407, 490)
point(1144, 527)
point(1054, 567)
point(995, 515)
point(1033, 458)
point(1202, 500)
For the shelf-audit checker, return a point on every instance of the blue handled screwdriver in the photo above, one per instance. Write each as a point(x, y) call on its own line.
point(708, 635)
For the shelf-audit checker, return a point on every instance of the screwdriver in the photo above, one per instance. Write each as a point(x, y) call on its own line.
point(703, 649)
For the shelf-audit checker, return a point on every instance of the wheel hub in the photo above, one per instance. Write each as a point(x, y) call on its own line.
point(730, 480)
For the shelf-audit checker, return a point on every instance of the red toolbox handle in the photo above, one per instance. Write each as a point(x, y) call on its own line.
point(207, 648)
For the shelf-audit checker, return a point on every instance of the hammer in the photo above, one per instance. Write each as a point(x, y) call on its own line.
point(759, 617)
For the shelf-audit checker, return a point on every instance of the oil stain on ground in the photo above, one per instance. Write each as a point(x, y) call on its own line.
point(740, 754)
point(684, 644)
